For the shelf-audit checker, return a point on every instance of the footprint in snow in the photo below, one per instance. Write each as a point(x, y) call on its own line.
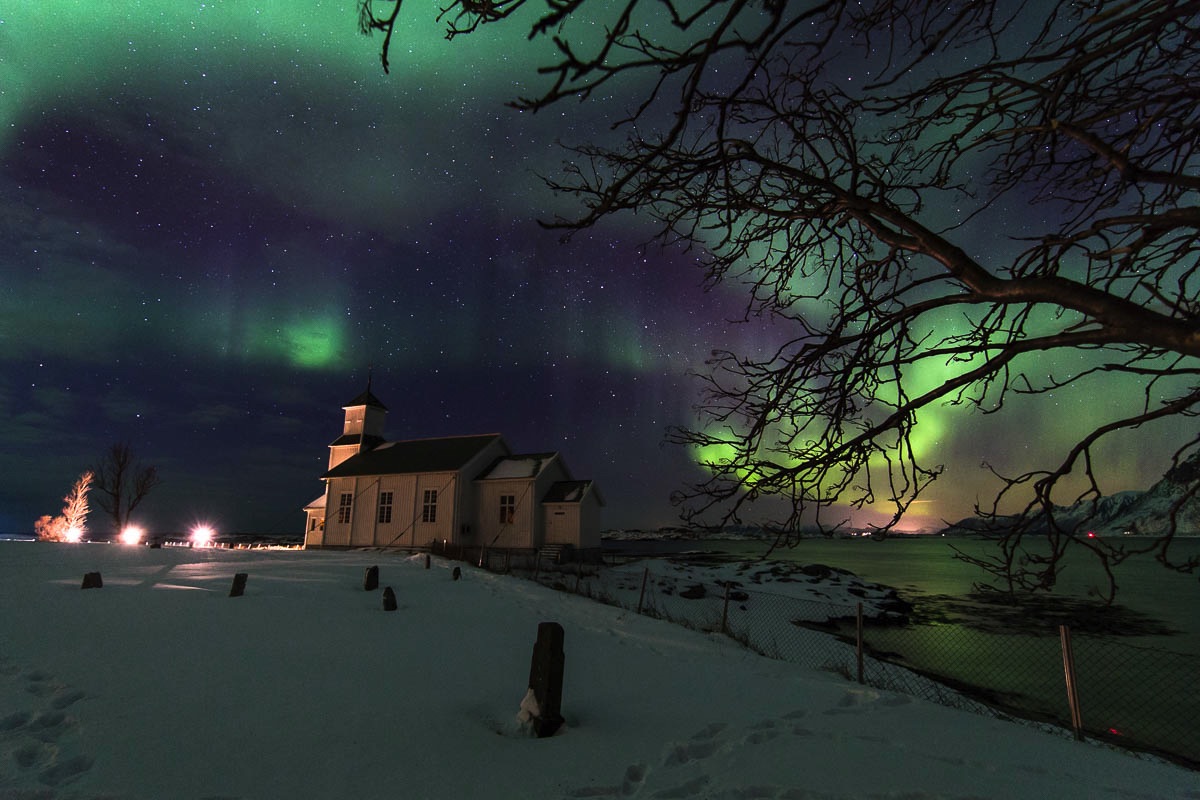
point(38, 742)
point(635, 777)
point(32, 754)
point(690, 751)
point(66, 698)
point(761, 737)
point(709, 731)
point(15, 721)
point(65, 771)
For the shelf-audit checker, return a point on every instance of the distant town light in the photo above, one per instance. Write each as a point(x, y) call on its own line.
point(132, 534)
point(202, 536)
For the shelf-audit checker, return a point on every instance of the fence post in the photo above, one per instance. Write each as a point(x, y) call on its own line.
point(858, 641)
point(1064, 636)
point(578, 575)
point(642, 594)
point(537, 560)
point(725, 610)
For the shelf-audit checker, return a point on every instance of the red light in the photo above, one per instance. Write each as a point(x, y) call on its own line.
point(1091, 534)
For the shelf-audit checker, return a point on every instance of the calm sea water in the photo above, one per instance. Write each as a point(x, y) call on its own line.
point(1130, 689)
point(926, 567)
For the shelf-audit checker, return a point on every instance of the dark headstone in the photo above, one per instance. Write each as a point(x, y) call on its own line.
point(546, 679)
point(457, 573)
point(371, 579)
point(389, 599)
point(239, 584)
point(92, 580)
point(427, 561)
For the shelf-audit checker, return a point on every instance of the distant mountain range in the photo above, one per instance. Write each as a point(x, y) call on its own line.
point(1146, 513)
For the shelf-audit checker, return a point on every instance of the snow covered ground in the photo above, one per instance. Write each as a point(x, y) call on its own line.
point(159, 685)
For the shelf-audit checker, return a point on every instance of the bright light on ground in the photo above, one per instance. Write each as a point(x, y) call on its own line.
point(202, 535)
point(132, 534)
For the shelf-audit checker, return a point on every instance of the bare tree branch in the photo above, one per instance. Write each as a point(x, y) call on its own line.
point(121, 483)
point(906, 186)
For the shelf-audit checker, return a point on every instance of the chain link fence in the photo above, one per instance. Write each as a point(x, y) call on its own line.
point(1138, 698)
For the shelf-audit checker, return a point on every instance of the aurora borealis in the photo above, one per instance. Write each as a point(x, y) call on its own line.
point(218, 215)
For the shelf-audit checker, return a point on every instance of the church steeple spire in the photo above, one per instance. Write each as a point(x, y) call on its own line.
point(363, 428)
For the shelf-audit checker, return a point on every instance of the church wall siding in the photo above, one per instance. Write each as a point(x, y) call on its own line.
point(553, 472)
point(442, 526)
point(562, 523)
point(362, 527)
point(519, 532)
point(337, 534)
point(400, 531)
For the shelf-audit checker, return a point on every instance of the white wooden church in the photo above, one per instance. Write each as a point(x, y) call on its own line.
point(461, 490)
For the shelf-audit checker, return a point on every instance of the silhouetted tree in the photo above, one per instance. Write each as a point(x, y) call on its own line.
point(998, 194)
point(122, 483)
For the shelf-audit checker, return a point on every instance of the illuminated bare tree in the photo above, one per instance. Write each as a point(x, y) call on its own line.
point(122, 483)
point(844, 160)
point(75, 504)
point(72, 523)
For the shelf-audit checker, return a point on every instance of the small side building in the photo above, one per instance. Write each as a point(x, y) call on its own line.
point(470, 491)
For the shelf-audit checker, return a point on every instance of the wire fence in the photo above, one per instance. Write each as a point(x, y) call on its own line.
point(1139, 698)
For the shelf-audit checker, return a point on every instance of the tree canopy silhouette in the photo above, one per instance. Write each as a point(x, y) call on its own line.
point(122, 482)
point(943, 203)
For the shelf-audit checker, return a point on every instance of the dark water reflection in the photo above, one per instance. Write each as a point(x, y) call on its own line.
point(1136, 662)
point(1156, 606)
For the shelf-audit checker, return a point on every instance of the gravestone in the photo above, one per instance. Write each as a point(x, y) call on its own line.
point(457, 573)
point(545, 681)
point(427, 561)
point(371, 579)
point(389, 599)
point(92, 580)
point(239, 584)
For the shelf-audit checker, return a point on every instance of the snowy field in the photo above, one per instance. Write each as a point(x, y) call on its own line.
point(160, 686)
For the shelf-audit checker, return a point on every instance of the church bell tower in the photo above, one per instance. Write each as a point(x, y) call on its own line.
point(363, 428)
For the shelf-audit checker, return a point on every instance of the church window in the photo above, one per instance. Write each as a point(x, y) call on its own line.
point(344, 504)
point(508, 508)
point(429, 506)
point(385, 507)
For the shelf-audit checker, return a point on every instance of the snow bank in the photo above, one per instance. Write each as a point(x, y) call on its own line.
point(159, 685)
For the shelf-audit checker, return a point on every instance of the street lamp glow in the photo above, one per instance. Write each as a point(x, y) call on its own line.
point(202, 536)
point(132, 534)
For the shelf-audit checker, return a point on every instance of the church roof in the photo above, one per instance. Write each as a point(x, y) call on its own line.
point(415, 455)
point(526, 465)
point(571, 492)
point(366, 399)
point(367, 441)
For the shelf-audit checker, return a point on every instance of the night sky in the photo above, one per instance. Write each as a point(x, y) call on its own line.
point(218, 216)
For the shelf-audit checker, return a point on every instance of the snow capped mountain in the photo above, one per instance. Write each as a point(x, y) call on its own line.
point(1149, 512)
point(1134, 512)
